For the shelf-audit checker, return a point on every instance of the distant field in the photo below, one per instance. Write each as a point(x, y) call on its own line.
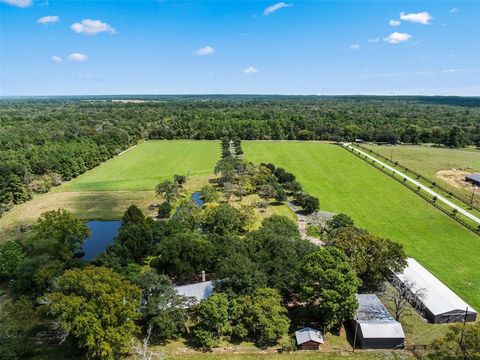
point(378, 203)
point(428, 161)
point(146, 165)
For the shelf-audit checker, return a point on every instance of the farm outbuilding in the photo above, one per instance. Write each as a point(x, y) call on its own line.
point(375, 327)
point(438, 303)
point(308, 339)
point(473, 178)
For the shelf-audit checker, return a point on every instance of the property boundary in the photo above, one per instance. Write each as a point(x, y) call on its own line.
point(416, 190)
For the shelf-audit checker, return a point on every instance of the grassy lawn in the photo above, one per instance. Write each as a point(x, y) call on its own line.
point(427, 161)
point(378, 203)
point(146, 165)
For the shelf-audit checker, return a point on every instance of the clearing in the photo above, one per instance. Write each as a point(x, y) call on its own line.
point(344, 183)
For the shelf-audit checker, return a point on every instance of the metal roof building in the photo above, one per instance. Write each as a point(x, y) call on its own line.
point(308, 338)
point(473, 178)
point(439, 303)
point(198, 291)
point(375, 327)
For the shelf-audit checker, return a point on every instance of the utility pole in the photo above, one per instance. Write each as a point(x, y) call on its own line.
point(391, 155)
point(463, 331)
point(473, 194)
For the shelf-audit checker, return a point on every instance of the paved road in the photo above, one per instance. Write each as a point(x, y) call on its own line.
point(423, 187)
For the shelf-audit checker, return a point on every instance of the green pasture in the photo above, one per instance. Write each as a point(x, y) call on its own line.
point(147, 164)
point(344, 183)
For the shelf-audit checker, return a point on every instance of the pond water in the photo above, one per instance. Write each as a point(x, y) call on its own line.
point(197, 199)
point(102, 234)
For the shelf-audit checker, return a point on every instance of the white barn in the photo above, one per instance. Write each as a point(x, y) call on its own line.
point(375, 327)
point(439, 303)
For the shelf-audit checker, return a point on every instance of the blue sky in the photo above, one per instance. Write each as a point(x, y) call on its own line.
point(61, 47)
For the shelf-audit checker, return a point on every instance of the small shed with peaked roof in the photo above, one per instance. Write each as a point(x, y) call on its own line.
point(308, 338)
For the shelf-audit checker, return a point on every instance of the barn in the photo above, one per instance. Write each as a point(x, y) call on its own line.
point(374, 326)
point(308, 339)
point(473, 178)
point(438, 303)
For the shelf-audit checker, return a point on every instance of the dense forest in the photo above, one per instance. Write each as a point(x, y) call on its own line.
point(44, 141)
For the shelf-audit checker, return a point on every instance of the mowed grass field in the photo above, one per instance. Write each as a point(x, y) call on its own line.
point(147, 164)
point(344, 183)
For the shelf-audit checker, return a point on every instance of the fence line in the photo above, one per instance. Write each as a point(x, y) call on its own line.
point(426, 197)
point(432, 183)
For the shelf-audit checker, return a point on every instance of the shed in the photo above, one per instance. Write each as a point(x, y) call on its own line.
point(308, 338)
point(198, 291)
point(375, 327)
point(439, 303)
point(473, 178)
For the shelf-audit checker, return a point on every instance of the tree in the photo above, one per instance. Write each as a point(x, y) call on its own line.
point(340, 221)
point(97, 307)
point(133, 243)
point(404, 295)
point(179, 180)
point(266, 192)
point(189, 213)
point(164, 210)
point(11, 254)
point(310, 204)
point(183, 256)
point(260, 317)
point(460, 342)
point(133, 215)
point(168, 190)
point(373, 258)
point(17, 189)
point(212, 319)
point(59, 233)
point(329, 286)
point(163, 310)
point(456, 137)
point(209, 194)
point(224, 219)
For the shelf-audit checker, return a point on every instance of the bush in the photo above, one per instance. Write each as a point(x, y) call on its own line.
point(164, 210)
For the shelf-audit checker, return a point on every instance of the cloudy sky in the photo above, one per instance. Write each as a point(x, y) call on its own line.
point(67, 47)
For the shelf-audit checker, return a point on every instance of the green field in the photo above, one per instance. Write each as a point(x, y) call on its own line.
point(144, 166)
point(378, 203)
point(428, 161)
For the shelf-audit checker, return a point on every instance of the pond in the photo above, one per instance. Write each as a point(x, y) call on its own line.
point(102, 234)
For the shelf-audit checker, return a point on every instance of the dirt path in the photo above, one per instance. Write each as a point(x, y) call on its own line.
point(302, 225)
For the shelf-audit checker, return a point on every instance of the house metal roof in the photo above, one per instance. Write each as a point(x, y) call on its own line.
point(439, 299)
point(308, 334)
point(199, 291)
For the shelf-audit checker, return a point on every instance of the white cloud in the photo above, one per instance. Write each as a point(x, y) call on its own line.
point(207, 50)
point(50, 19)
point(419, 18)
point(453, 10)
point(250, 70)
point(92, 27)
point(18, 3)
point(276, 7)
point(355, 46)
point(56, 59)
point(77, 57)
point(396, 37)
point(394, 22)
point(374, 40)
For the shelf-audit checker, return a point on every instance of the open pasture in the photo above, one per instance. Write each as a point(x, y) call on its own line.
point(147, 164)
point(344, 183)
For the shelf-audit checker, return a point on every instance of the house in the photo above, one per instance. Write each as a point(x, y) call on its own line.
point(438, 303)
point(473, 178)
point(374, 326)
point(198, 291)
point(308, 339)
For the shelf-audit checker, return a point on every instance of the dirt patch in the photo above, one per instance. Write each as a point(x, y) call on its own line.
point(455, 177)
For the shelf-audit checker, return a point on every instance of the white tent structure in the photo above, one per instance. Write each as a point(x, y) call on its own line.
point(438, 302)
point(375, 327)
